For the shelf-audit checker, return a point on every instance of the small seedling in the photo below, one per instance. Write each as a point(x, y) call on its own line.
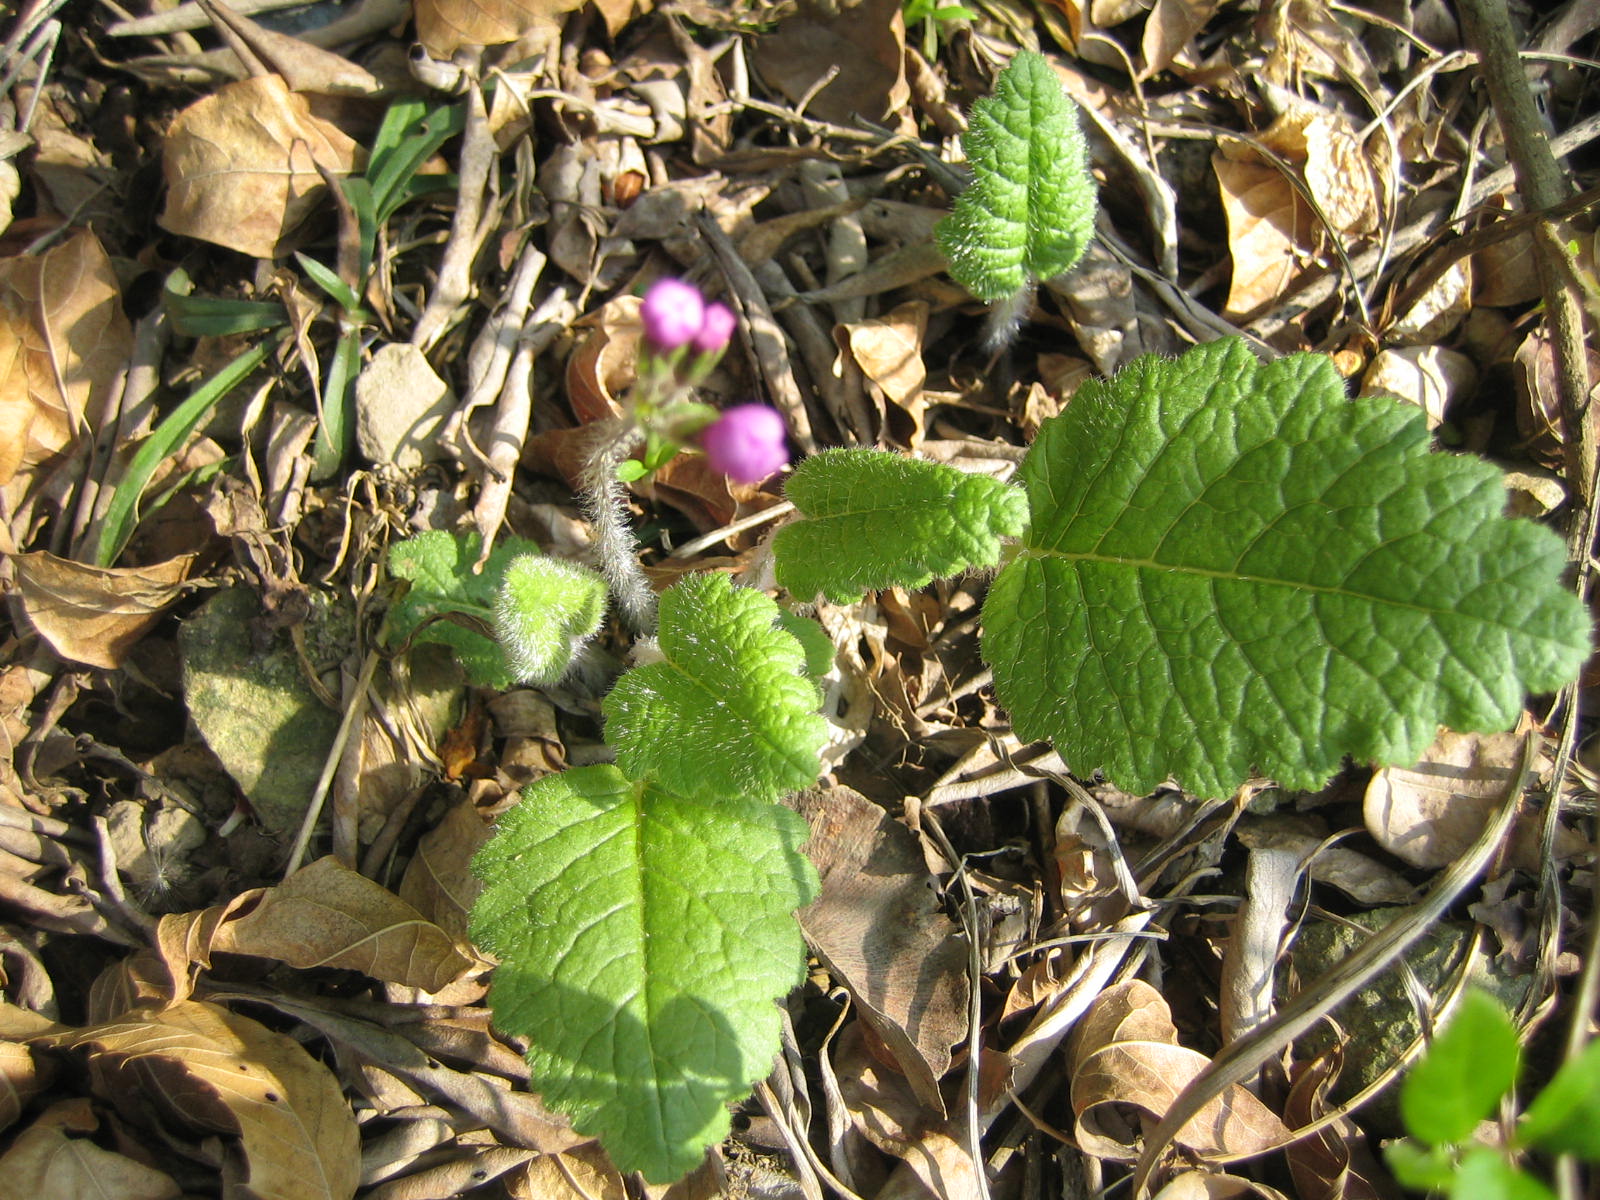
point(1471, 1067)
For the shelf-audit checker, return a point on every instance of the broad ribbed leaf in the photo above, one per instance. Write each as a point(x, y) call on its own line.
point(729, 711)
point(875, 519)
point(1235, 567)
point(1029, 212)
point(643, 937)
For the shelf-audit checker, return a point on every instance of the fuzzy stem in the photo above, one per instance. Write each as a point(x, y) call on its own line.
point(605, 502)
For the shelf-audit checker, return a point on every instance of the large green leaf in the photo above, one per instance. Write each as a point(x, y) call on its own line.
point(729, 710)
point(643, 938)
point(1234, 567)
point(1029, 213)
point(1472, 1062)
point(875, 519)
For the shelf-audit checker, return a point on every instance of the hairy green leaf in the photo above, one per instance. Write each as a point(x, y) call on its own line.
point(876, 519)
point(1029, 212)
point(1470, 1064)
point(439, 566)
point(544, 610)
point(1484, 1174)
point(643, 936)
point(729, 710)
point(1234, 567)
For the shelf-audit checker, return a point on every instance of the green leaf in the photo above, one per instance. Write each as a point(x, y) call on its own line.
point(1565, 1117)
point(643, 936)
point(729, 710)
point(1423, 1168)
point(210, 316)
point(1469, 1066)
point(1233, 567)
point(1484, 1174)
point(1029, 213)
point(876, 519)
point(439, 566)
point(328, 280)
point(122, 514)
point(544, 610)
point(814, 640)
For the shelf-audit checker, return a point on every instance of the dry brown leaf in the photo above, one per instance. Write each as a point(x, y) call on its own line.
point(1335, 1163)
point(21, 1079)
point(864, 42)
point(583, 1173)
point(241, 166)
point(96, 615)
point(326, 915)
point(877, 928)
point(1203, 1185)
point(1334, 164)
point(63, 340)
point(1430, 813)
point(1431, 377)
point(1126, 1052)
point(46, 1162)
point(445, 26)
point(1267, 222)
point(888, 350)
point(1167, 31)
point(201, 1066)
point(439, 882)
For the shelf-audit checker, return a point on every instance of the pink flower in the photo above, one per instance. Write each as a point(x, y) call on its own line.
point(673, 313)
point(715, 330)
point(746, 443)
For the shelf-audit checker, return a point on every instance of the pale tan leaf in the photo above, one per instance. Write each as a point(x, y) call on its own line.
point(214, 1071)
point(241, 166)
point(1167, 31)
point(95, 615)
point(876, 926)
point(63, 340)
point(1267, 223)
point(1431, 377)
point(582, 1173)
point(888, 349)
point(1125, 1053)
point(1202, 1185)
point(326, 915)
point(1430, 813)
point(864, 43)
point(445, 26)
point(46, 1162)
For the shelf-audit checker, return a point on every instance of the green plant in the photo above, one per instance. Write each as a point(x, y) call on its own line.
point(1206, 567)
point(934, 16)
point(1470, 1068)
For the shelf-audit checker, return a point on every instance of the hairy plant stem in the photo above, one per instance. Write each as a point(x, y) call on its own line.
point(605, 502)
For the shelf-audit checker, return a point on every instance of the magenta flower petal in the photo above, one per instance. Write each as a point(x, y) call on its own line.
point(716, 330)
point(673, 313)
point(746, 443)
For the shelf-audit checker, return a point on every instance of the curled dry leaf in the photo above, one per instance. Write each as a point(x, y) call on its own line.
point(1428, 814)
point(241, 166)
point(324, 915)
point(48, 1162)
point(439, 882)
point(1267, 221)
point(876, 926)
point(445, 26)
point(1126, 1053)
point(21, 1079)
point(1202, 1185)
point(200, 1066)
point(95, 615)
point(63, 340)
point(1336, 1160)
point(1431, 377)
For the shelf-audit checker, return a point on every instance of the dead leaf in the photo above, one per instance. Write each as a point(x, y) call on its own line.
point(1168, 29)
point(445, 26)
point(1428, 814)
point(888, 350)
point(1203, 1185)
point(63, 340)
point(326, 915)
point(96, 615)
point(200, 1066)
point(1267, 222)
point(439, 882)
point(1126, 1052)
point(21, 1079)
point(1333, 162)
point(241, 166)
point(878, 929)
point(864, 42)
point(46, 1162)
point(583, 1173)
point(1335, 1162)
point(1431, 377)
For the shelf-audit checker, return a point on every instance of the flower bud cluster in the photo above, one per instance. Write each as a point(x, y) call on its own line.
point(685, 336)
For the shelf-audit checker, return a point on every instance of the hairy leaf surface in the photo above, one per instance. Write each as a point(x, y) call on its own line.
point(1029, 213)
point(729, 711)
point(643, 938)
point(875, 519)
point(1235, 567)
